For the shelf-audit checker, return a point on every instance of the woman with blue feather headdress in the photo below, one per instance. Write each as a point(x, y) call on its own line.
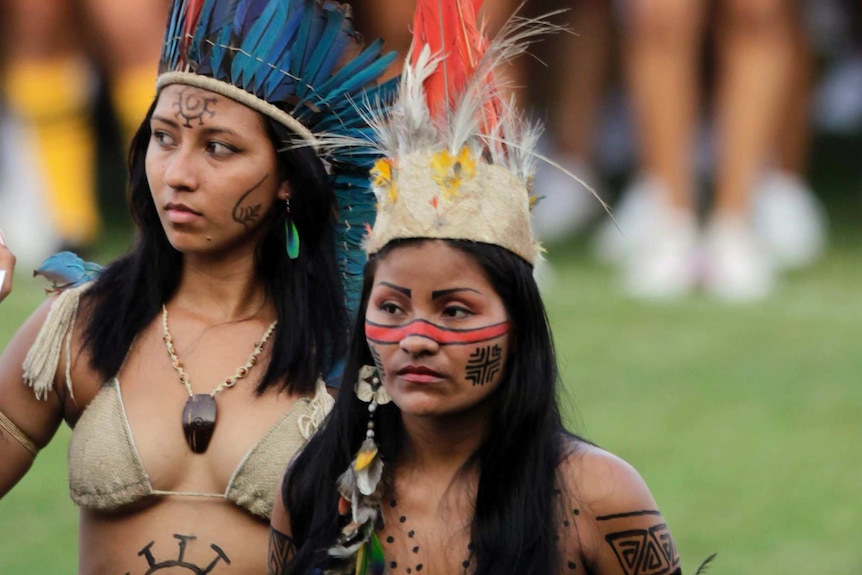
point(193, 368)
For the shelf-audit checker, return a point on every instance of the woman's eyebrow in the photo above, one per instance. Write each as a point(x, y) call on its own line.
point(400, 289)
point(445, 292)
point(164, 120)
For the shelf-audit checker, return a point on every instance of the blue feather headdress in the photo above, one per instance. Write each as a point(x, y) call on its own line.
point(290, 60)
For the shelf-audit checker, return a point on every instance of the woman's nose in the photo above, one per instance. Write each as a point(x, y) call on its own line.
point(181, 171)
point(416, 343)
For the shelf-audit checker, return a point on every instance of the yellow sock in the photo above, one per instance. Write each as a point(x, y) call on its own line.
point(51, 98)
point(132, 92)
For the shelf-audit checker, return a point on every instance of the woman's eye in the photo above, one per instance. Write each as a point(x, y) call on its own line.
point(162, 138)
point(456, 312)
point(390, 308)
point(220, 149)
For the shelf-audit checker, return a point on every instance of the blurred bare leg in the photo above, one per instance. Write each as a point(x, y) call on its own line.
point(661, 53)
point(584, 71)
point(794, 126)
point(127, 40)
point(390, 21)
point(756, 56)
point(788, 216)
point(47, 85)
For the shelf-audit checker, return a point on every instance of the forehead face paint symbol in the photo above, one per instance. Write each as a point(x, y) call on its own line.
point(194, 106)
point(387, 335)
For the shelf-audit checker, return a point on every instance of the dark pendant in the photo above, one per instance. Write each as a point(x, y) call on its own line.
point(199, 418)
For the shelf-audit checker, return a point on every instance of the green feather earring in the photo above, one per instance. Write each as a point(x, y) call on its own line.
point(292, 235)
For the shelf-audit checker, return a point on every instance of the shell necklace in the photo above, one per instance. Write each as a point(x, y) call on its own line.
point(199, 414)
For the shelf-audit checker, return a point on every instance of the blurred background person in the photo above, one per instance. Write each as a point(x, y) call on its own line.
point(838, 104)
point(575, 110)
point(663, 250)
point(54, 52)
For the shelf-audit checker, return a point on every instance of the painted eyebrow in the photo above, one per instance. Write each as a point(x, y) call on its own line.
point(400, 289)
point(444, 292)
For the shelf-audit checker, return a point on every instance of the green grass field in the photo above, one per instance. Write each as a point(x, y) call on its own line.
point(745, 421)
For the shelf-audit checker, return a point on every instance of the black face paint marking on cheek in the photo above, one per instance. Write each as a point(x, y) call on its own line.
point(248, 215)
point(180, 561)
point(377, 362)
point(645, 551)
point(484, 364)
point(194, 106)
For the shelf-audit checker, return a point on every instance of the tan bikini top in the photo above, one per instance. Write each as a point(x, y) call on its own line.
point(105, 469)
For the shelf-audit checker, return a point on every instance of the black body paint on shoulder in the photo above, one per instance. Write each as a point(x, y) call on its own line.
point(629, 514)
point(180, 561)
point(484, 364)
point(194, 106)
point(248, 215)
point(281, 549)
point(646, 551)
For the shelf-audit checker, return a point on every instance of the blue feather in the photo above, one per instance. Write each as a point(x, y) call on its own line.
point(221, 55)
point(329, 48)
point(66, 270)
point(297, 55)
point(255, 42)
point(272, 45)
point(365, 58)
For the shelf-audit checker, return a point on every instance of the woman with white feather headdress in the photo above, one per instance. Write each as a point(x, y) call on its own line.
point(451, 456)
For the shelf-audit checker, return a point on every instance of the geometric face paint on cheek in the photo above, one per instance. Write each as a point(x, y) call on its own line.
point(388, 334)
point(484, 364)
point(377, 362)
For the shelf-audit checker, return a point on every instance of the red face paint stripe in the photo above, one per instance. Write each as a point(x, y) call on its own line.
point(385, 334)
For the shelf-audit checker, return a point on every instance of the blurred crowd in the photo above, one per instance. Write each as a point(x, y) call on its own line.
point(707, 106)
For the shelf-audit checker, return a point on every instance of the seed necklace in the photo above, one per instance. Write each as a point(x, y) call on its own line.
point(199, 414)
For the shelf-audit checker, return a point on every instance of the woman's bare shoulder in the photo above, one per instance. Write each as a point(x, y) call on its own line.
point(601, 480)
point(617, 513)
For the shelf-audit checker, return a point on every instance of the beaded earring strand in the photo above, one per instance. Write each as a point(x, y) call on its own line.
point(360, 491)
point(199, 413)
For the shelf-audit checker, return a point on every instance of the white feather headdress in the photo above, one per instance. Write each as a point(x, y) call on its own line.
point(459, 157)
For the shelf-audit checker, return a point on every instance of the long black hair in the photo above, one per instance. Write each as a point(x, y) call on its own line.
point(312, 323)
point(515, 518)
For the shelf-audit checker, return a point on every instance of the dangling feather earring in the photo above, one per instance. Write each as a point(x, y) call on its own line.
point(358, 550)
point(291, 234)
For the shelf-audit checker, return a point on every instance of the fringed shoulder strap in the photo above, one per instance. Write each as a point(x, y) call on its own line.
point(41, 362)
point(321, 404)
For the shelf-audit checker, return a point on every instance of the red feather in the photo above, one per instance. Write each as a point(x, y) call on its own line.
point(451, 28)
point(193, 14)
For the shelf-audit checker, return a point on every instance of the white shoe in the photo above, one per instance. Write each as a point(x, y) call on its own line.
point(790, 220)
point(664, 264)
point(738, 267)
point(565, 205)
point(641, 205)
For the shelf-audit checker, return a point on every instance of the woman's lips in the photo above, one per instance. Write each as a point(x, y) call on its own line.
point(419, 374)
point(181, 214)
